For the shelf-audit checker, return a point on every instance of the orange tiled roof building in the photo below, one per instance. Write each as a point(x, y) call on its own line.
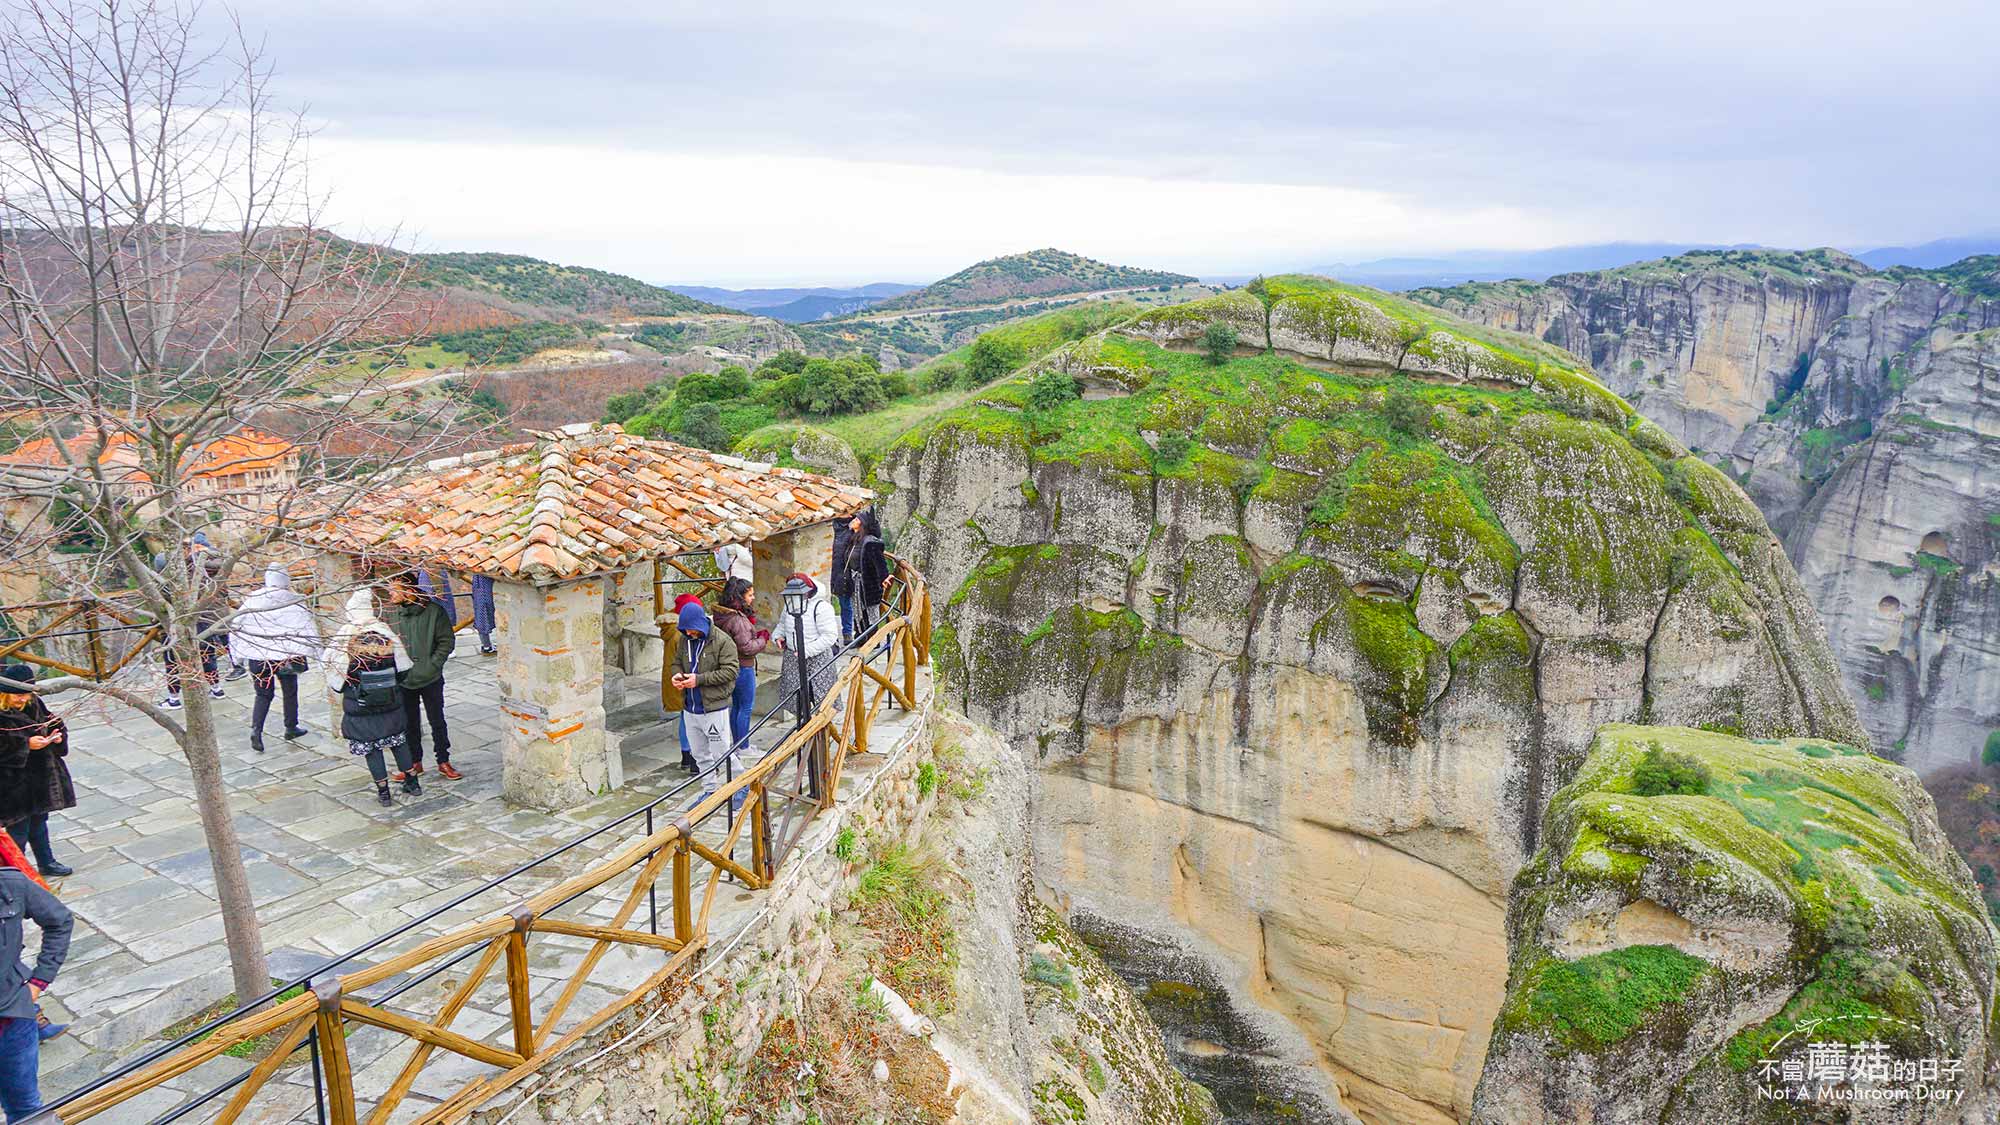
point(574, 528)
point(579, 501)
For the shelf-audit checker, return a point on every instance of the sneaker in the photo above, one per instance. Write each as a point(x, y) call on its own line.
point(446, 771)
point(412, 787)
point(293, 734)
point(56, 870)
point(237, 672)
point(44, 1030)
point(416, 768)
point(489, 651)
point(382, 796)
point(216, 692)
point(171, 703)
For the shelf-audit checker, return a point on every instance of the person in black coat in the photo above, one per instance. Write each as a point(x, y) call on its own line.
point(866, 567)
point(843, 537)
point(34, 781)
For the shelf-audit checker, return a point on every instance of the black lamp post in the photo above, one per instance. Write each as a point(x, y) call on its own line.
point(796, 594)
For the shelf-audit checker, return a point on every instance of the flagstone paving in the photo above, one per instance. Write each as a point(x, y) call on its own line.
point(330, 870)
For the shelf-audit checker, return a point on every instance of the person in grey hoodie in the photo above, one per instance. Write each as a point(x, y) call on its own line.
point(21, 898)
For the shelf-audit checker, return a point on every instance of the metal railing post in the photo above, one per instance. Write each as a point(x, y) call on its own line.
point(319, 1081)
point(652, 889)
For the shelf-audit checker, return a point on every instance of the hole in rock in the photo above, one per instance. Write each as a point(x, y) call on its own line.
point(1936, 544)
point(1378, 592)
point(1889, 606)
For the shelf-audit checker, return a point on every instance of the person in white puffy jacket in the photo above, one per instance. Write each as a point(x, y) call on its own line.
point(273, 633)
point(822, 648)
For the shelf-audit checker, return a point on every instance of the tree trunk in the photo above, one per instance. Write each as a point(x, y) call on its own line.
point(248, 965)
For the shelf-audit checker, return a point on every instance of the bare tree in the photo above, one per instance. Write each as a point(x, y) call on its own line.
point(165, 283)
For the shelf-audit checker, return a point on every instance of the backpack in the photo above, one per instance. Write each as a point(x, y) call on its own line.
point(374, 690)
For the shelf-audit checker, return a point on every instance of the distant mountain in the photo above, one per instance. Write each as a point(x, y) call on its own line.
point(1462, 266)
point(1037, 273)
point(531, 281)
point(817, 306)
point(1931, 255)
point(765, 300)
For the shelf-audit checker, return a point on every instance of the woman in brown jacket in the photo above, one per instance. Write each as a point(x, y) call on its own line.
point(734, 616)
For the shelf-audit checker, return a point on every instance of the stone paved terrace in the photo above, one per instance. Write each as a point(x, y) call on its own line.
point(331, 869)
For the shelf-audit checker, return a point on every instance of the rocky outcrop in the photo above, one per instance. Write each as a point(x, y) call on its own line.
point(1861, 411)
point(1300, 687)
point(1707, 915)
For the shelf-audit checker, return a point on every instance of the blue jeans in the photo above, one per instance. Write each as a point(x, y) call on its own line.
point(846, 617)
point(740, 703)
point(20, 1060)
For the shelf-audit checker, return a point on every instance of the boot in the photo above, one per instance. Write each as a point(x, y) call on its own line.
point(382, 796)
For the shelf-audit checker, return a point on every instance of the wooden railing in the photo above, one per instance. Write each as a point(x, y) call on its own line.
point(95, 651)
point(781, 794)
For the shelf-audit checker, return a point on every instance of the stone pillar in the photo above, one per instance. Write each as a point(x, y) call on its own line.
point(554, 750)
point(333, 582)
point(808, 550)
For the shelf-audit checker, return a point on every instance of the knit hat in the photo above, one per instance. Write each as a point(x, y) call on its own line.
point(685, 600)
point(18, 673)
point(694, 619)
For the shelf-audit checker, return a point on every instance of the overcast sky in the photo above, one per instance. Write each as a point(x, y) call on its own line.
point(766, 143)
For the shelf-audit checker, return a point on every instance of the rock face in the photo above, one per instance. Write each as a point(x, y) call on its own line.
point(1861, 411)
point(1300, 686)
point(1684, 933)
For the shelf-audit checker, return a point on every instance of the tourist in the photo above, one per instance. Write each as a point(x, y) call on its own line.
point(843, 537)
point(822, 646)
point(206, 584)
point(34, 780)
point(21, 1033)
point(425, 628)
point(867, 570)
point(274, 635)
point(733, 615)
point(482, 613)
point(733, 560)
point(368, 657)
point(705, 668)
point(687, 755)
point(10, 854)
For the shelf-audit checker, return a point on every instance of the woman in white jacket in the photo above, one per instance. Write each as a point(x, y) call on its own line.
point(822, 648)
point(363, 661)
point(274, 633)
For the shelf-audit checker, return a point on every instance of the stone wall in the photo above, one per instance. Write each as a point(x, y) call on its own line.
point(683, 1053)
point(554, 749)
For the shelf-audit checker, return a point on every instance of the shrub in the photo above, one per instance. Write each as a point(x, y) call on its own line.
point(830, 386)
point(787, 362)
point(988, 360)
point(1406, 413)
point(701, 425)
point(927, 779)
point(1662, 772)
point(896, 385)
point(940, 377)
point(1218, 343)
point(1052, 390)
point(1172, 450)
point(843, 845)
point(1991, 755)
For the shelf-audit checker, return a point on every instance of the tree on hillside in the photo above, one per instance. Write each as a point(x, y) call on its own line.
point(988, 360)
point(1218, 342)
point(1406, 336)
point(165, 283)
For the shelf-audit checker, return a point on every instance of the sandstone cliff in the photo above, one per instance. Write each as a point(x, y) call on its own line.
point(1301, 685)
point(1683, 937)
point(1861, 410)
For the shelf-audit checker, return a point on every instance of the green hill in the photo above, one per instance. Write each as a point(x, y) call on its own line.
point(1037, 273)
point(532, 281)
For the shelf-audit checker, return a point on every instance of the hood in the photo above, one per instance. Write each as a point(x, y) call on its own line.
point(277, 592)
point(695, 619)
point(277, 578)
point(361, 607)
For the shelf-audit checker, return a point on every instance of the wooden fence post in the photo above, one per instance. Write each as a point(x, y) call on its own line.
point(760, 834)
point(683, 884)
point(518, 984)
point(96, 643)
point(333, 1051)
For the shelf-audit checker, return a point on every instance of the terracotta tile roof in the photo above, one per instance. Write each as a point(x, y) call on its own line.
point(582, 500)
point(239, 452)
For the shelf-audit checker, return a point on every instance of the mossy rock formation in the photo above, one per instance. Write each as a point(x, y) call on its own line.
point(1341, 611)
point(1670, 953)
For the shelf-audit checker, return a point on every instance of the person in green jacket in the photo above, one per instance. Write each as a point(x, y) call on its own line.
point(425, 628)
point(705, 663)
